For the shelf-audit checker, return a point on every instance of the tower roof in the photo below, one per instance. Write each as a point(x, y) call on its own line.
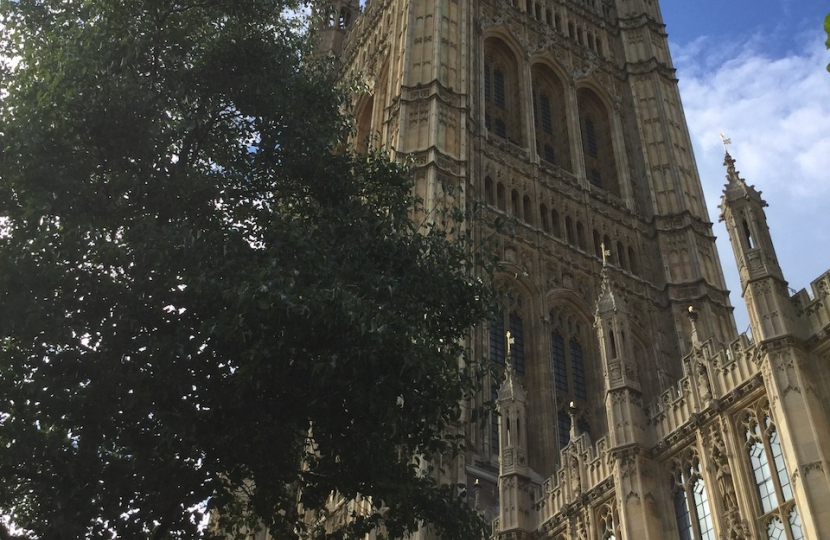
point(736, 187)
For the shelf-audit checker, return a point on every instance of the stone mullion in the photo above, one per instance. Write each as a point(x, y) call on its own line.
point(621, 159)
point(575, 132)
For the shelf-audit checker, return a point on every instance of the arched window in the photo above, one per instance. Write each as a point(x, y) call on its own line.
point(567, 356)
point(580, 236)
point(489, 197)
point(569, 230)
point(632, 261)
point(691, 500)
point(528, 210)
point(621, 256)
point(550, 127)
point(748, 233)
point(597, 146)
point(778, 513)
point(608, 523)
point(502, 344)
point(365, 133)
point(597, 244)
point(345, 18)
point(554, 221)
point(501, 87)
point(543, 214)
point(515, 206)
point(500, 197)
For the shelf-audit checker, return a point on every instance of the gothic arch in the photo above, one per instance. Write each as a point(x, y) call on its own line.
point(501, 89)
point(597, 132)
point(364, 115)
point(575, 365)
point(550, 116)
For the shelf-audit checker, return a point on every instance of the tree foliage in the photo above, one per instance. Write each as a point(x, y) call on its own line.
point(207, 304)
point(827, 30)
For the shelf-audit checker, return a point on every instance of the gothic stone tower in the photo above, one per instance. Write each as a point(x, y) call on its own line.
point(565, 116)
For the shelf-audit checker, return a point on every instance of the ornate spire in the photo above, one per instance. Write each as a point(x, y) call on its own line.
point(736, 187)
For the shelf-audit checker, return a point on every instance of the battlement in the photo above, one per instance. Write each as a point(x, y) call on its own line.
point(584, 473)
point(711, 374)
point(814, 309)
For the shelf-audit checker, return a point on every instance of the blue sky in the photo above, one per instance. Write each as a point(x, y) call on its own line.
point(756, 70)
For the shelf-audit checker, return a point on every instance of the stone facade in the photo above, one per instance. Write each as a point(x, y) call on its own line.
point(631, 408)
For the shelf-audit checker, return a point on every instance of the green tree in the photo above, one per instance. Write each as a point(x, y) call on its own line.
point(827, 30)
point(201, 299)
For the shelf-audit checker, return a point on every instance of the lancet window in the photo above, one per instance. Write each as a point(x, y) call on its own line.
point(501, 109)
point(568, 359)
point(608, 523)
point(510, 319)
point(365, 134)
point(777, 512)
point(551, 130)
point(691, 500)
point(597, 146)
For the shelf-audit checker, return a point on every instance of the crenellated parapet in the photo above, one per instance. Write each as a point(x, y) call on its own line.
point(585, 476)
point(712, 379)
point(813, 310)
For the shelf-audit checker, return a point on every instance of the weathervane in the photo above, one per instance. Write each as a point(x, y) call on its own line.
point(726, 142)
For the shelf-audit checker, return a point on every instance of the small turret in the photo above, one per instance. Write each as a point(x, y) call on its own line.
point(763, 286)
point(626, 417)
point(514, 473)
point(614, 334)
point(333, 19)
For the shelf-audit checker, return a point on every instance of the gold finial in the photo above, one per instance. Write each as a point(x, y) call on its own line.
point(510, 341)
point(605, 254)
point(726, 142)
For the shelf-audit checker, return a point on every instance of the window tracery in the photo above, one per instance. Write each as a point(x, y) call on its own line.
point(597, 146)
point(691, 500)
point(568, 359)
point(608, 523)
point(550, 127)
point(779, 517)
point(501, 86)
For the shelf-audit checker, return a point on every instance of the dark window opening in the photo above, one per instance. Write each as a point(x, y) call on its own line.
point(591, 137)
point(517, 349)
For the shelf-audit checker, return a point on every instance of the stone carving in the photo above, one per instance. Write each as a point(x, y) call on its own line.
point(703, 385)
point(576, 482)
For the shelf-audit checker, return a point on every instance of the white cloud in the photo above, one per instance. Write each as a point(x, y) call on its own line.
point(776, 110)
